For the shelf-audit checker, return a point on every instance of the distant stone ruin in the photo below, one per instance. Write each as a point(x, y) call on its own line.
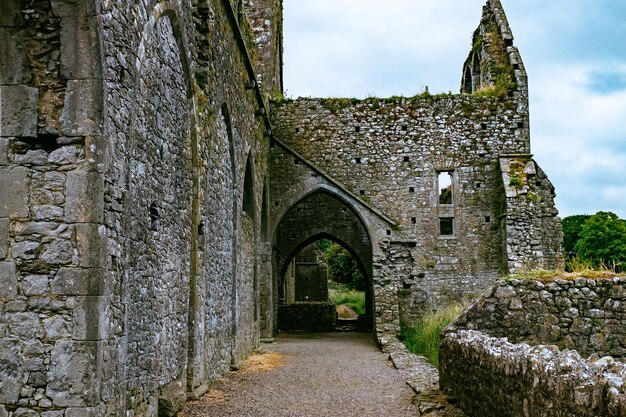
point(153, 196)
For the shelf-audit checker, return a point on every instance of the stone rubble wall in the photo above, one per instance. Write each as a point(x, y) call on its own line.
point(308, 316)
point(389, 153)
point(53, 316)
point(491, 377)
point(517, 350)
point(132, 170)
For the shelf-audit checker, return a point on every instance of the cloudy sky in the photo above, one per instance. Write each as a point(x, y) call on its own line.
point(574, 52)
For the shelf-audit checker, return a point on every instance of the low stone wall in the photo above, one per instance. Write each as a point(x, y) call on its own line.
point(493, 377)
point(517, 350)
point(588, 315)
point(307, 316)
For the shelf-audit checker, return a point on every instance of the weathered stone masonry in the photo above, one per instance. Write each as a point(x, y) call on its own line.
point(531, 348)
point(149, 205)
point(133, 172)
point(389, 154)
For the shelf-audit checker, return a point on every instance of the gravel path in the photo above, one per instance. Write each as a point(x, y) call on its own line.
point(322, 374)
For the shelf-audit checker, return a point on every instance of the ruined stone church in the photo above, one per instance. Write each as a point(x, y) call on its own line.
point(153, 196)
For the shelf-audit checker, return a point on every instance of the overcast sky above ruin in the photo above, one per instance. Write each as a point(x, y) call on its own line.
point(574, 52)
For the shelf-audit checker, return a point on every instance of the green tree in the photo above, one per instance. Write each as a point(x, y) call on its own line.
point(603, 240)
point(572, 226)
point(343, 267)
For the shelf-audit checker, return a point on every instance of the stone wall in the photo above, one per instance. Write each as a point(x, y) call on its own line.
point(133, 168)
point(307, 316)
point(517, 350)
point(389, 154)
point(142, 237)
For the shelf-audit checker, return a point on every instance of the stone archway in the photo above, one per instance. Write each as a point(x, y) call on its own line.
point(320, 214)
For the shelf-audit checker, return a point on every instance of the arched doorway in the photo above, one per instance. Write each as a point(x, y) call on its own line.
point(320, 214)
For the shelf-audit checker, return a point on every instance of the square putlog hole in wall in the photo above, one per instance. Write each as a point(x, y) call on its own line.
point(446, 226)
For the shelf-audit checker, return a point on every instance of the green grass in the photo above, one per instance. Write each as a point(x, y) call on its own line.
point(575, 267)
point(422, 338)
point(351, 298)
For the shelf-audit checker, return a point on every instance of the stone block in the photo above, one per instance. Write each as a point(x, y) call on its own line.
point(4, 151)
point(78, 281)
point(172, 398)
point(32, 157)
point(14, 67)
point(3, 411)
point(11, 371)
point(55, 413)
point(84, 197)
point(91, 239)
point(83, 412)
point(35, 284)
point(14, 185)
point(58, 252)
point(8, 281)
point(19, 111)
point(80, 49)
point(57, 327)
point(90, 318)
point(73, 374)
point(65, 155)
point(4, 238)
point(82, 110)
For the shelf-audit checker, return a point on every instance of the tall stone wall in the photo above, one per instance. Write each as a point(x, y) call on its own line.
point(390, 154)
point(133, 157)
point(517, 350)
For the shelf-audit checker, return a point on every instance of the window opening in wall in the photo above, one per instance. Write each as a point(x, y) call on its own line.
point(404, 128)
point(357, 128)
point(411, 189)
point(357, 160)
point(445, 187)
point(487, 219)
point(154, 217)
point(407, 159)
point(296, 161)
point(362, 192)
point(414, 220)
point(248, 190)
point(388, 232)
point(446, 226)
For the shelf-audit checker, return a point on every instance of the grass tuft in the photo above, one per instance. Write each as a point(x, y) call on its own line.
point(579, 268)
point(423, 337)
